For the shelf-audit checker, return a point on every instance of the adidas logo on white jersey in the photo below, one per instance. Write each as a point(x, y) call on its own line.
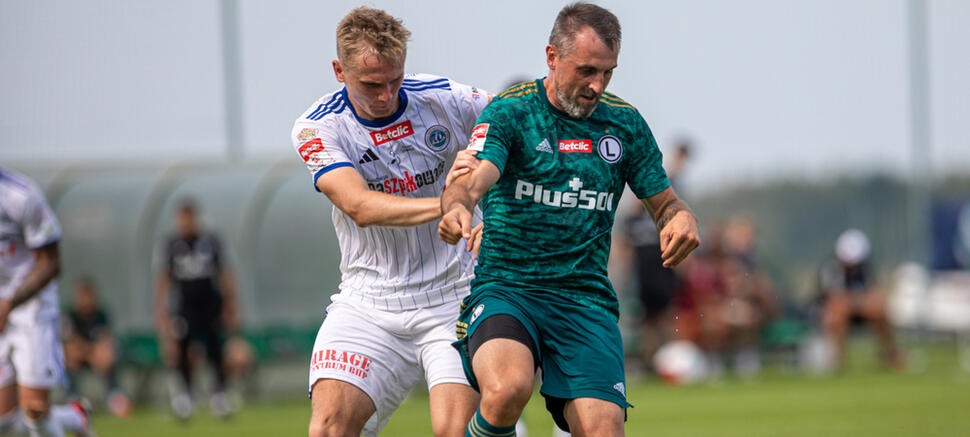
point(544, 146)
point(368, 156)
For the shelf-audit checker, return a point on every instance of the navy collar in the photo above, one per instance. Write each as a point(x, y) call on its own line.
point(384, 121)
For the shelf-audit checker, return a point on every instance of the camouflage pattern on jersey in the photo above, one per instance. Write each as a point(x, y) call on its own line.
point(549, 216)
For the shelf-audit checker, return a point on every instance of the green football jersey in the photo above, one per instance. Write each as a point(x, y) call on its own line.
point(549, 216)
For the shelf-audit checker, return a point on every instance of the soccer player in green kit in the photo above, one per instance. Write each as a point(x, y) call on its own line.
point(555, 154)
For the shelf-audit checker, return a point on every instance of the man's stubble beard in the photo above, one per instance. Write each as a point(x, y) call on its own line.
point(571, 107)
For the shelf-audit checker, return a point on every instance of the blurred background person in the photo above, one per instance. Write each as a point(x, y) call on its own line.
point(725, 299)
point(89, 344)
point(850, 293)
point(749, 300)
point(194, 301)
point(655, 283)
point(698, 299)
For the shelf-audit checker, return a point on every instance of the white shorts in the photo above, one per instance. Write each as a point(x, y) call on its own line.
point(31, 355)
point(385, 354)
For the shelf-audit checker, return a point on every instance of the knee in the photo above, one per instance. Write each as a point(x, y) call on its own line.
point(510, 393)
point(836, 314)
point(326, 427)
point(875, 309)
point(330, 424)
point(35, 408)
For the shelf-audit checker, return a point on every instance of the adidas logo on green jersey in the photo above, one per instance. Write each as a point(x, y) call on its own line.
point(544, 146)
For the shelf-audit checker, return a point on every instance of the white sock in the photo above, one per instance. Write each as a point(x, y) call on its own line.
point(12, 423)
point(43, 427)
point(68, 417)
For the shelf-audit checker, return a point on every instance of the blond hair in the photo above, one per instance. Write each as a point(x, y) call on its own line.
point(368, 30)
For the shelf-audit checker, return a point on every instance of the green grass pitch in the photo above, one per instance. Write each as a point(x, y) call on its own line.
point(862, 401)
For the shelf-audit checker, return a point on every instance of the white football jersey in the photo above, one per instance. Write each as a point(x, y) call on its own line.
point(26, 223)
point(407, 154)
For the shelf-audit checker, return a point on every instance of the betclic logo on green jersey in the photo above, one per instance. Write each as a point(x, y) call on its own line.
point(576, 197)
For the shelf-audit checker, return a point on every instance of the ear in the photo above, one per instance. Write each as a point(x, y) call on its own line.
point(552, 56)
point(338, 71)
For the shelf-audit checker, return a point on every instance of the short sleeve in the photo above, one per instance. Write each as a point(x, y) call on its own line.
point(644, 168)
point(472, 101)
point(489, 137)
point(40, 226)
point(319, 149)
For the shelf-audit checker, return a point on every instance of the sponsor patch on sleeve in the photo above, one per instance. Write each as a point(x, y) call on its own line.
point(314, 154)
point(479, 134)
point(478, 94)
point(306, 134)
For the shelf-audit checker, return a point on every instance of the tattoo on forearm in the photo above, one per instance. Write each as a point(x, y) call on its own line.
point(670, 211)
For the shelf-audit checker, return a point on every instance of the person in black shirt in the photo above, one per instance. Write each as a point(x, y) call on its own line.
point(89, 343)
point(194, 301)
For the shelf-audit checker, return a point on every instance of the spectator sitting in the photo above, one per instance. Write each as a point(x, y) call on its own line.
point(89, 343)
point(749, 296)
point(850, 293)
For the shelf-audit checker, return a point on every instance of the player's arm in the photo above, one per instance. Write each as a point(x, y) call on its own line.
point(160, 301)
point(230, 298)
point(679, 234)
point(348, 191)
point(47, 265)
point(459, 199)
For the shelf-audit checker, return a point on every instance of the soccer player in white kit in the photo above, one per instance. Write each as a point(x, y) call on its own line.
point(31, 355)
point(380, 149)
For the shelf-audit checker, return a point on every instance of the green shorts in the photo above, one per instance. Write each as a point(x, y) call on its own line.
point(580, 348)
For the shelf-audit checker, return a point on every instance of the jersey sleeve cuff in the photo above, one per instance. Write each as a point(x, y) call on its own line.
point(326, 169)
point(655, 189)
point(45, 243)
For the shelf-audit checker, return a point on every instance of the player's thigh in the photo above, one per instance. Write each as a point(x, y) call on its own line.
point(588, 417)
point(355, 345)
point(434, 332)
point(582, 357)
point(39, 361)
point(339, 405)
point(497, 340)
point(452, 400)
